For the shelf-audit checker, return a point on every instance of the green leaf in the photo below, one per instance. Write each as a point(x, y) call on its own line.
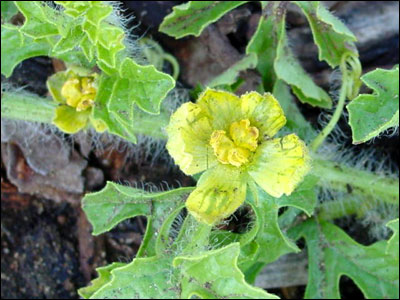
point(8, 10)
point(16, 48)
point(331, 36)
point(103, 279)
point(230, 76)
point(264, 43)
point(74, 8)
point(101, 110)
point(148, 87)
point(393, 243)
point(332, 254)
point(268, 242)
point(215, 275)
point(116, 98)
point(192, 17)
point(370, 115)
point(70, 41)
point(40, 19)
point(143, 278)
point(289, 70)
point(295, 119)
point(115, 203)
point(270, 237)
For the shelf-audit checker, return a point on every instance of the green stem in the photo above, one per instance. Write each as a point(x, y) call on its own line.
point(347, 206)
point(351, 71)
point(194, 235)
point(32, 108)
point(25, 107)
point(335, 118)
point(358, 182)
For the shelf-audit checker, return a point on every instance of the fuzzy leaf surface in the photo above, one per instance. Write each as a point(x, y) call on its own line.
point(143, 278)
point(371, 114)
point(104, 274)
point(115, 203)
point(40, 19)
point(147, 86)
point(215, 275)
point(332, 254)
point(331, 36)
point(16, 48)
point(192, 17)
point(270, 237)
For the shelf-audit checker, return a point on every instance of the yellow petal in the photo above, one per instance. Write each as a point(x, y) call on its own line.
point(264, 112)
point(98, 124)
point(189, 133)
point(280, 164)
point(222, 108)
point(220, 191)
point(69, 120)
point(71, 90)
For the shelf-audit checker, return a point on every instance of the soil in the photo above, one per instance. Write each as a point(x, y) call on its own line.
point(47, 247)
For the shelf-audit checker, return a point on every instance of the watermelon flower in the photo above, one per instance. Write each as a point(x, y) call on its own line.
point(232, 140)
point(75, 91)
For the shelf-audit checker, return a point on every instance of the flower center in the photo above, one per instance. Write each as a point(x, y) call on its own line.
point(79, 92)
point(236, 146)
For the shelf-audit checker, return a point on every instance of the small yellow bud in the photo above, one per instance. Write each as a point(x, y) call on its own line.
point(79, 92)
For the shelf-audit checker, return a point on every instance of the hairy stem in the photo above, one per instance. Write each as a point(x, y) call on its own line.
point(351, 71)
point(335, 118)
point(194, 235)
point(32, 108)
point(25, 107)
point(358, 182)
point(345, 207)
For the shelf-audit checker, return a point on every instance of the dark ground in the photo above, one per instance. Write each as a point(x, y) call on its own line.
point(47, 248)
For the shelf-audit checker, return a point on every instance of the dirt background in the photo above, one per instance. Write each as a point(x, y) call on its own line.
point(47, 250)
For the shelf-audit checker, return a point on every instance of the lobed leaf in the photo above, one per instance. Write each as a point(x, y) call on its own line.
point(103, 279)
point(115, 203)
point(8, 10)
point(270, 237)
point(215, 275)
point(331, 36)
point(265, 242)
point(192, 17)
point(147, 86)
point(289, 70)
point(143, 278)
point(276, 60)
point(370, 115)
point(40, 19)
point(264, 43)
point(16, 47)
point(332, 254)
point(117, 95)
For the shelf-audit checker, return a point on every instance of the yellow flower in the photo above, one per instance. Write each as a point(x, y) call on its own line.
point(232, 139)
point(76, 93)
